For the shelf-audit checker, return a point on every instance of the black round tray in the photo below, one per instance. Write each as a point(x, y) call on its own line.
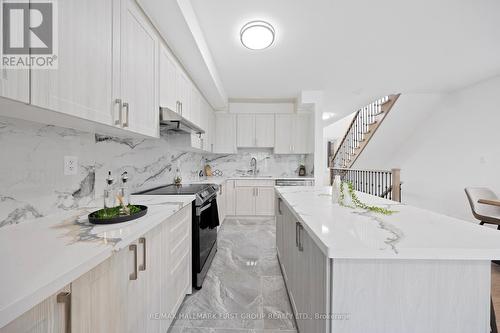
point(118, 219)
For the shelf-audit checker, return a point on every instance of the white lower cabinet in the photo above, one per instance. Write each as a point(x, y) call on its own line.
point(254, 197)
point(305, 270)
point(221, 202)
point(50, 316)
point(141, 287)
point(245, 200)
point(230, 201)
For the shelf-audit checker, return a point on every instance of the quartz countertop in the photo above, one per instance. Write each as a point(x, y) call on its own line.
point(410, 233)
point(41, 256)
point(220, 180)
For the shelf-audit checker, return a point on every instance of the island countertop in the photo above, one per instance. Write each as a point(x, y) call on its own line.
point(410, 233)
point(41, 256)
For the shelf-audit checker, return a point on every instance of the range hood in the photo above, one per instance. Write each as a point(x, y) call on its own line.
point(172, 120)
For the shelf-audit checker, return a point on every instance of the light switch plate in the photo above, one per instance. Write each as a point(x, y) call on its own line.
point(70, 165)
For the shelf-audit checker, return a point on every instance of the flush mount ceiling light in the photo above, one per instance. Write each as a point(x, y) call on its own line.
point(257, 35)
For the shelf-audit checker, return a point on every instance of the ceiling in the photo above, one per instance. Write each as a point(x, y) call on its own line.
point(353, 50)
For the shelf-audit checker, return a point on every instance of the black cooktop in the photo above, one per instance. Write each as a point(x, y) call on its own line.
point(177, 189)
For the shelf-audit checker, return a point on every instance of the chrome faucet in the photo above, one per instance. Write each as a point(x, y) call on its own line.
point(253, 165)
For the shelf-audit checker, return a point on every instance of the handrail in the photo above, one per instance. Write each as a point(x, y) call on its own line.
point(382, 183)
point(346, 135)
point(362, 127)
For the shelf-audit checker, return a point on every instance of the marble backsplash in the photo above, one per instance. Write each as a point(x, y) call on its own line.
point(33, 184)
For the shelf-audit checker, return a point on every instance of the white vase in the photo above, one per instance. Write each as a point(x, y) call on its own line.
point(336, 189)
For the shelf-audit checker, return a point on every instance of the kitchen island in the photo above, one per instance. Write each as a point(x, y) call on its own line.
point(350, 271)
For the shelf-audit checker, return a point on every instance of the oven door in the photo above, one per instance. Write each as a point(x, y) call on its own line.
point(207, 236)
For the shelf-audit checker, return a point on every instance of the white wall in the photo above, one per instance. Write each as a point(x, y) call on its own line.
point(454, 146)
point(337, 130)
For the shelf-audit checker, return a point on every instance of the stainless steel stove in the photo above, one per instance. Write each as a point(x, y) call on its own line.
point(205, 221)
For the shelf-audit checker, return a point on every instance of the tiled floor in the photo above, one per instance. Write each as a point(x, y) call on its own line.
point(244, 290)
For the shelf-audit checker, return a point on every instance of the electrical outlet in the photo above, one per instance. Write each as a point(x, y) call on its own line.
point(70, 165)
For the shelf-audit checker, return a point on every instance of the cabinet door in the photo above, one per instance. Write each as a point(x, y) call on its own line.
point(303, 135)
point(183, 93)
point(230, 198)
point(150, 269)
point(135, 299)
point(14, 83)
point(99, 297)
point(246, 130)
point(264, 130)
point(49, 316)
point(264, 201)
point(179, 259)
point(225, 133)
point(245, 200)
point(279, 227)
point(82, 85)
point(283, 134)
point(194, 106)
point(314, 283)
point(168, 80)
point(210, 135)
point(139, 80)
point(221, 202)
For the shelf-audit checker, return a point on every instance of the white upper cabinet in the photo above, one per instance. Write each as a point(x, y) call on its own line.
point(304, 134)
point(14, 83)
point(194, 106)
point(255, 130)
point(283, 134)
point(82, 85)
point(168, 80)
point(245, 130)
point(294, 134)
point(225, 133)
point(264, 130)
point(139, 71)
point(183, 93)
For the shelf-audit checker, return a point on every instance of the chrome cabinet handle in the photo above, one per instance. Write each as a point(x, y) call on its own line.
point(133, 275)
point(118, 122)
point(301, 246)
point(296, 234)
point(279, 206)
point(127, 108)
point(142, 241)
point(65, 298)
point(220, 189)
point(181, 107)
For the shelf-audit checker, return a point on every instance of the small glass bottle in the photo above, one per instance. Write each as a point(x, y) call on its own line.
point(124, 191)
point(109, 195)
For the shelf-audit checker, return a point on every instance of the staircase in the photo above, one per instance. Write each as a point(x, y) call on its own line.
point(362, 128)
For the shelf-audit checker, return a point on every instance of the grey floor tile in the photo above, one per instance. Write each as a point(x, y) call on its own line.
point(243, 286)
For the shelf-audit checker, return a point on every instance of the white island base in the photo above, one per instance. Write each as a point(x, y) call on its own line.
point(413, 272)
point(410, 296)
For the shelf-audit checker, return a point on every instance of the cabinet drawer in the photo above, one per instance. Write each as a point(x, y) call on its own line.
point(254, 182)
point(179, 233)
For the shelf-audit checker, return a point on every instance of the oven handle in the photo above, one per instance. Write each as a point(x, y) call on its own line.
point(206, 207)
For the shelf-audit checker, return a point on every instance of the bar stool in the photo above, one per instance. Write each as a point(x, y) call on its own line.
point(485, 214)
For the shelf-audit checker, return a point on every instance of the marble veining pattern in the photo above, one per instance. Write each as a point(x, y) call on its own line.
point(33, 184)
point(244, 290)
